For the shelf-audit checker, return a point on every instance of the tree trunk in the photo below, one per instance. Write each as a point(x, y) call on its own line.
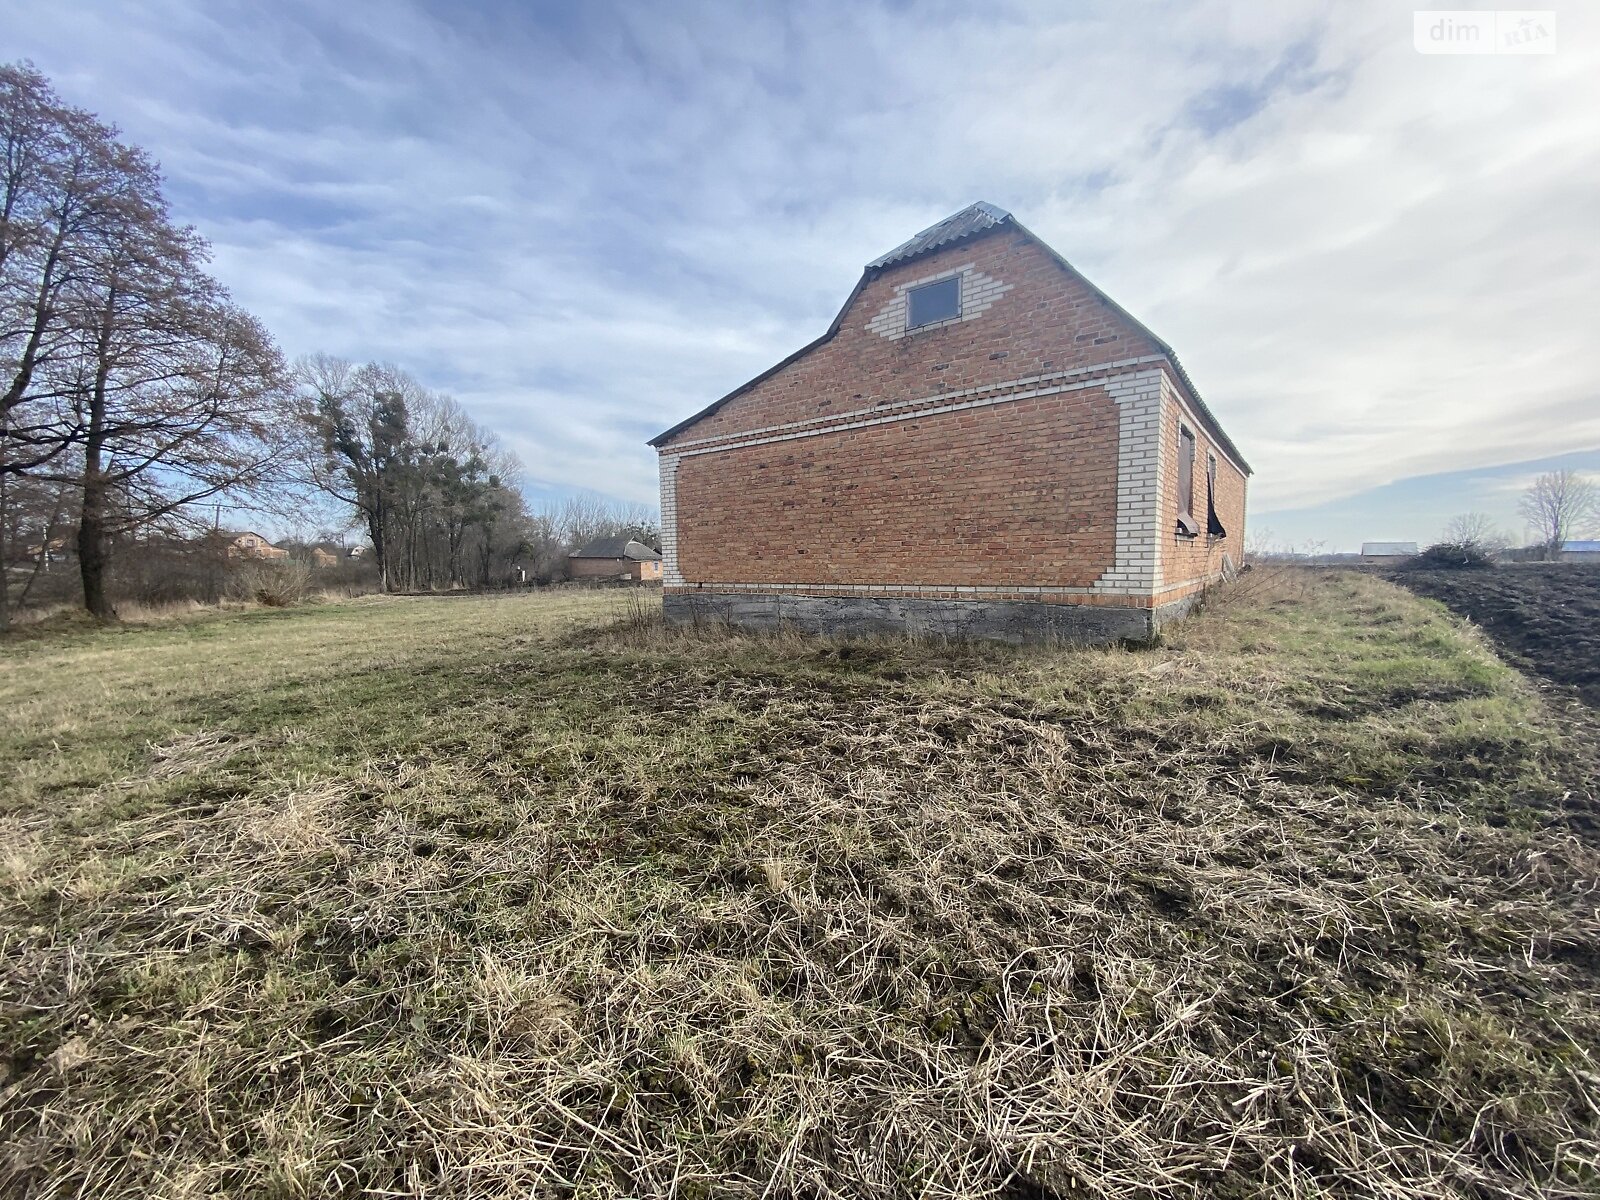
point(5, 524)
point(94, 550)
point(411, 551)
point(93, 555)
point(379, 548)
point(456, 533)
point(486, 551)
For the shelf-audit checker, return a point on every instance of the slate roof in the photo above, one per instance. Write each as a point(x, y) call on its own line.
point(1580, 547)
point(973, 219)
point(1388, 549)
point(620, 545)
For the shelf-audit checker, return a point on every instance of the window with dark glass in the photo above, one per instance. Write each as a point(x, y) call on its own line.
point(932, 302)
point(1214, 525)
point(1187, 525)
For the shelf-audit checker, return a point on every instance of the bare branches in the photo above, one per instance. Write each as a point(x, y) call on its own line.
point(67, 187)
point(1559, 506)
point(1477, 531)
point(585, 516)
point(125, 370)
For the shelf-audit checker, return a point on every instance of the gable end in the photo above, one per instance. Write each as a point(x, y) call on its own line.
point(890, 321)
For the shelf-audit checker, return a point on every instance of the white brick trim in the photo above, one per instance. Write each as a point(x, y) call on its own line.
point(1026, 589)
point(963, 589)
point(670, 572)
point(1139, 397)
point(979, 291)
point(1032, 387)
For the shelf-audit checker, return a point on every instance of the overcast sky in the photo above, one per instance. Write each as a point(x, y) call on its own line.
point(587, 221)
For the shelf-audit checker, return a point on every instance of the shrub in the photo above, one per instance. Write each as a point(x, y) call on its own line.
point(1453, 556)
point(277, 584)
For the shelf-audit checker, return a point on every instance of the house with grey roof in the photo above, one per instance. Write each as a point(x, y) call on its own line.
point(1387, 551)
point(618, 557)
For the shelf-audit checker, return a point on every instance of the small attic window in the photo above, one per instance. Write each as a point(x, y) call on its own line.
point(933, 302)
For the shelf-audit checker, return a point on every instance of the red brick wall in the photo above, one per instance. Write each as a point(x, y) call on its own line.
point(1022, 493)
point(1186, 559)
point(1047, 321)
point(590, 568)
point(1017, 493)
point(614, 568)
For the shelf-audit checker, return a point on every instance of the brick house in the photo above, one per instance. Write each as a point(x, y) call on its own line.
point(618, 557)
point(982, 443)
point(247, 543)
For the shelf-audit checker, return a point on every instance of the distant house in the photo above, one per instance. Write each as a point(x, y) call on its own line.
point(1387, 551)
point(617, 557)
point(325, 556)
point(1583, 551)
point(247, 543)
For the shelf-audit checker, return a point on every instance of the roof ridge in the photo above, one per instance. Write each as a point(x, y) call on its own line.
point(975, 218)
point(613, 545)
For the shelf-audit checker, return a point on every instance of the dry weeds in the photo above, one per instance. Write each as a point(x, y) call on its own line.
point(1285, 907)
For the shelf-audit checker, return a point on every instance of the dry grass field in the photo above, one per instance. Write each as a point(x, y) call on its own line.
point(528, 896)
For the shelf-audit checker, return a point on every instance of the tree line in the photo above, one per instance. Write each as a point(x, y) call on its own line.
point(434, 492)
point(136, 397)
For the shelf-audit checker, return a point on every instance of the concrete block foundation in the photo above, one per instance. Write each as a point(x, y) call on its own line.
point(1014, 621)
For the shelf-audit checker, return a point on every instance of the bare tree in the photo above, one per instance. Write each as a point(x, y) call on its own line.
point(125, 372)
point(1558, 506)
point(62, 176)
point(67, 185)
point(37, 520)
point(1477, 530)
point(584, 516)
point(180, 395)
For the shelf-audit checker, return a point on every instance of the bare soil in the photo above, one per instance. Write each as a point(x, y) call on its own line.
point(1543, 616)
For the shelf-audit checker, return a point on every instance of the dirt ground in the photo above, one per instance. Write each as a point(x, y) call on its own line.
point(1545, 616)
